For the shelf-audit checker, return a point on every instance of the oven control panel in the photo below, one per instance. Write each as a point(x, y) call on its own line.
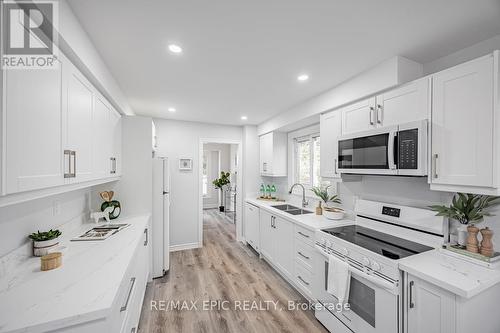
point(391, 211)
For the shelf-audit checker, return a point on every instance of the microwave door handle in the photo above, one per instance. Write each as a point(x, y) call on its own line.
point(391, 150)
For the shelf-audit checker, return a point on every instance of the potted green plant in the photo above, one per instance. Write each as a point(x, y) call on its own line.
point(220, 183)
point(44, 242)
point(468, 209)
point(329, 211)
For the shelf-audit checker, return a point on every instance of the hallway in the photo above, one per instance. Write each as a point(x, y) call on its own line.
point(252, 297)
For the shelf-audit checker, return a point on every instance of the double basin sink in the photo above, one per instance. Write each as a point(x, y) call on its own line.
point(292, 209)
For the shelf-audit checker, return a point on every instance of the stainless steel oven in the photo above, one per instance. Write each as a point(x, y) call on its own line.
point(394, 150)
point(373, 300)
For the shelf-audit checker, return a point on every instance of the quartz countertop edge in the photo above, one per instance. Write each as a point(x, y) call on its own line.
point(310, 221)
point(460, 277)
point(76, 292)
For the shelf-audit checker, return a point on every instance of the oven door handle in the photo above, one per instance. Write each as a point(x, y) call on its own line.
point(379, 282)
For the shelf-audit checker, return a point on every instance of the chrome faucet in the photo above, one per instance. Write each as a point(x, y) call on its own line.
point(304, 201)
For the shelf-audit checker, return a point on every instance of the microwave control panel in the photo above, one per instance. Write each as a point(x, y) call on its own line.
point(408, 149)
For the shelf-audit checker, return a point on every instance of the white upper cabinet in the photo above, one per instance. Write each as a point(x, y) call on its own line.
point(410, 102)
point(330, 130)
point(273, 154)
point(33, 114)
point(80, 129)
point(464, 127)
point(58, 130)
point(358, 117)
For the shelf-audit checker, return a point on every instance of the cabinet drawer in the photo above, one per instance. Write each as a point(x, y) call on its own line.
point(304, 254)
point(304, 235)
point(303, 278)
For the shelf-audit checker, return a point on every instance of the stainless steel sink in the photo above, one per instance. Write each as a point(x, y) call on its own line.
point(292, 209)
point(285, 207)
point(298, 211)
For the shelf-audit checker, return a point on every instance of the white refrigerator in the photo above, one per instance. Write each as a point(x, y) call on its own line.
point(161, 209)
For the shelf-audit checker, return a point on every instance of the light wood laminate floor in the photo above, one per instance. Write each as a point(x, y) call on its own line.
point(227, 271)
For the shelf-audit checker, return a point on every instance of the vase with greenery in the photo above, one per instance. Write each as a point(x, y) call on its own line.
point(44, 242)
point(328, 211)
point(468, 209)
point(220, 183)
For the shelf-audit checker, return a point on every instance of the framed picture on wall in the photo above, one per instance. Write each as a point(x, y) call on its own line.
point(185, 164)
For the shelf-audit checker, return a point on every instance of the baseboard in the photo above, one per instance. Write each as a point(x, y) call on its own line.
point(182, 247)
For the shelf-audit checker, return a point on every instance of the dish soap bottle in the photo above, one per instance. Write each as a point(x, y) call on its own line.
point(262, 191)
point(268, 192)
point(273, 192)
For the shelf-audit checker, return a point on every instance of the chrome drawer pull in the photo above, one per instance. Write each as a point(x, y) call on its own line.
point(302, 234)
point(303, 256)
point(67, 153)
point(146, 241)
point(132, 284)
point(412, 304)
point(301, 279)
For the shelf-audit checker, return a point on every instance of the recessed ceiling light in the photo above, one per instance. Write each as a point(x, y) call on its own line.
point(303, 77)
point(171, 110)
point(175, 48)
point(244, 117)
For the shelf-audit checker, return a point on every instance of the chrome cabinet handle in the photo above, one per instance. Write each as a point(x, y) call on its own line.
point(435, 161)
point(371, 115)
point(302, 234)
point(410, 298)
point(73, 154)
point(132, 284)
point(146, 241)
point(264, 167)
point(132, 330)
point(335, 167)
point(303, 255)
point(68, 154)
point(301, 279)
point(113, 165)
point(379, 114)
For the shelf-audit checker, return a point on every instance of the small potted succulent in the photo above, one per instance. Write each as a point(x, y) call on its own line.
point(44, 242)
point(468, 209)
point(220, 183)
point(329, 211)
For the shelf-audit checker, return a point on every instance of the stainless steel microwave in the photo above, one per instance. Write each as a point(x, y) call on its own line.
point(393, 150)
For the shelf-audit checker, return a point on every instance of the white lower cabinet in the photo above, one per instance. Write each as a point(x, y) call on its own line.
point(430, 309)
point(252, 225)
point(276, 242)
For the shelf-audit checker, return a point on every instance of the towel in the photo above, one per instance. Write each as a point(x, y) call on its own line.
point(339, 278)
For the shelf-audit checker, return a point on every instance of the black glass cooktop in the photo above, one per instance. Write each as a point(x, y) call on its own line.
point(386, 245)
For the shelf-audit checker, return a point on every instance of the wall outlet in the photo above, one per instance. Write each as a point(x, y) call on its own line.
point(56, 208)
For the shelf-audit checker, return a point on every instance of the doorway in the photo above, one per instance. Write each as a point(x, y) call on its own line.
point(217, 155)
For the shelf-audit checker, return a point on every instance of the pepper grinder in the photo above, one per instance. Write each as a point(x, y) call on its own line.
point(486, 244)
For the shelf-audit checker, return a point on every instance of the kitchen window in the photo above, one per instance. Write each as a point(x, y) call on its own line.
point(306, 160)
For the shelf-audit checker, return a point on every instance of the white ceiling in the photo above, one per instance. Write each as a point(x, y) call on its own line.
point(242, 57)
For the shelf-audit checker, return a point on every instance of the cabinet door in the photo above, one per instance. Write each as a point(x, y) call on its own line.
point(115, 128)
point(33, 137)
point(410, 102)
point(359, 116)
point(102, 139)
point(462, 124)
point(284, 242)
point(266, 154)
point(252, 225)
point(267, 240)
point(330, 130)
point(79, 125)
point(430, 308)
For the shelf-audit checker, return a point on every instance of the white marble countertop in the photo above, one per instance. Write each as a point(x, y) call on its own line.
point(84, 288)
point(310, 221)
point(460, 277)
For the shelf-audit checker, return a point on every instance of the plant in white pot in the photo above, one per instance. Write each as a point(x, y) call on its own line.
point(329, 211)
point(220, 183)
point(44, 242)
point(468, 209)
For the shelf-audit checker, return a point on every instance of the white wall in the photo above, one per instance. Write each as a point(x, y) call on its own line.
point(180, 139)
point(469, 53)
point(20, 220)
